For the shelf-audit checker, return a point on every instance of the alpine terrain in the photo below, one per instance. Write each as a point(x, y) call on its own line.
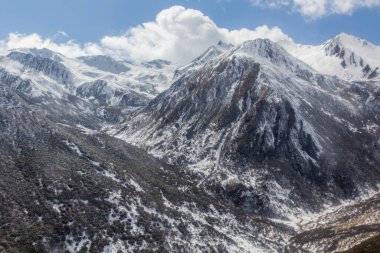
point(256, 147)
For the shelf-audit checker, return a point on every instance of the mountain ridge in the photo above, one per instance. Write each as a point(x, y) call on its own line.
point(254, 150)
point(349, 57)
point(255, 88)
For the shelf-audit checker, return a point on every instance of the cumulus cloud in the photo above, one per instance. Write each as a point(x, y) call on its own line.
point(177, 34)
point(318, 8)
point(180, 34)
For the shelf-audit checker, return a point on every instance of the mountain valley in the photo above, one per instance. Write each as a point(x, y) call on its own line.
point(256, 147)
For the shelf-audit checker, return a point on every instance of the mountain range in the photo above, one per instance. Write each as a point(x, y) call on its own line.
point(257, 147)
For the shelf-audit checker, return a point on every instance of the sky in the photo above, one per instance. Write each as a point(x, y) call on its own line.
point(147, 29)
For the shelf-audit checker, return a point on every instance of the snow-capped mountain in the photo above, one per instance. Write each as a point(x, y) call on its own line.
point(258, 126)
point(346, 56)
point(259, 147)
point(97, 85)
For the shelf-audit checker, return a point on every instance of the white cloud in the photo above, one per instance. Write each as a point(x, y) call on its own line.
point(318, 8)
point(177, 34)
point(180, 35)
point(68, 48)
point(270, 3)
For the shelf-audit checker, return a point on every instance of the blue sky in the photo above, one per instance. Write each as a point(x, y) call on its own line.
point(180, 30)
point(90, 20)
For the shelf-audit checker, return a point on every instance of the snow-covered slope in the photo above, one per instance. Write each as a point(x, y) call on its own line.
point(346, 56)
point(96, 85)
point(258, 126)
point(143, 78)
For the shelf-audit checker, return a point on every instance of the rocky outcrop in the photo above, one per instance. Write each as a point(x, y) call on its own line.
point(47, 66)
point(104, 95)
point(15, 82)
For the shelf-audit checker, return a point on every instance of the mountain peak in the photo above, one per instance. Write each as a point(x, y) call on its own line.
point(349, 41)
point(209, 54)
point(258, 42)
point(345, 36)
point(346, 56)
point(262, 47)
point(224, 45)
point(215, 50)
point(359, 58)
point(265, 50)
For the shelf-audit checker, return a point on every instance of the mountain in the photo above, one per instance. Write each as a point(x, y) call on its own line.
point(70, 190)
point(257, 126)
point(346, 56)
point(103, 88)
point(245, 149)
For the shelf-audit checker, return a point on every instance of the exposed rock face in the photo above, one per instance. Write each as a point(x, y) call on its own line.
point(100, 92)
point(346, 56)
point(97, 90)
point(349, 58)
point(49, 67)
point(259, 127)
point(15, 82)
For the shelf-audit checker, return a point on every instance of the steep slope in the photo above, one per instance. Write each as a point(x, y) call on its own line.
point(346, 56)
point(64, 190)
point(257, 126)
